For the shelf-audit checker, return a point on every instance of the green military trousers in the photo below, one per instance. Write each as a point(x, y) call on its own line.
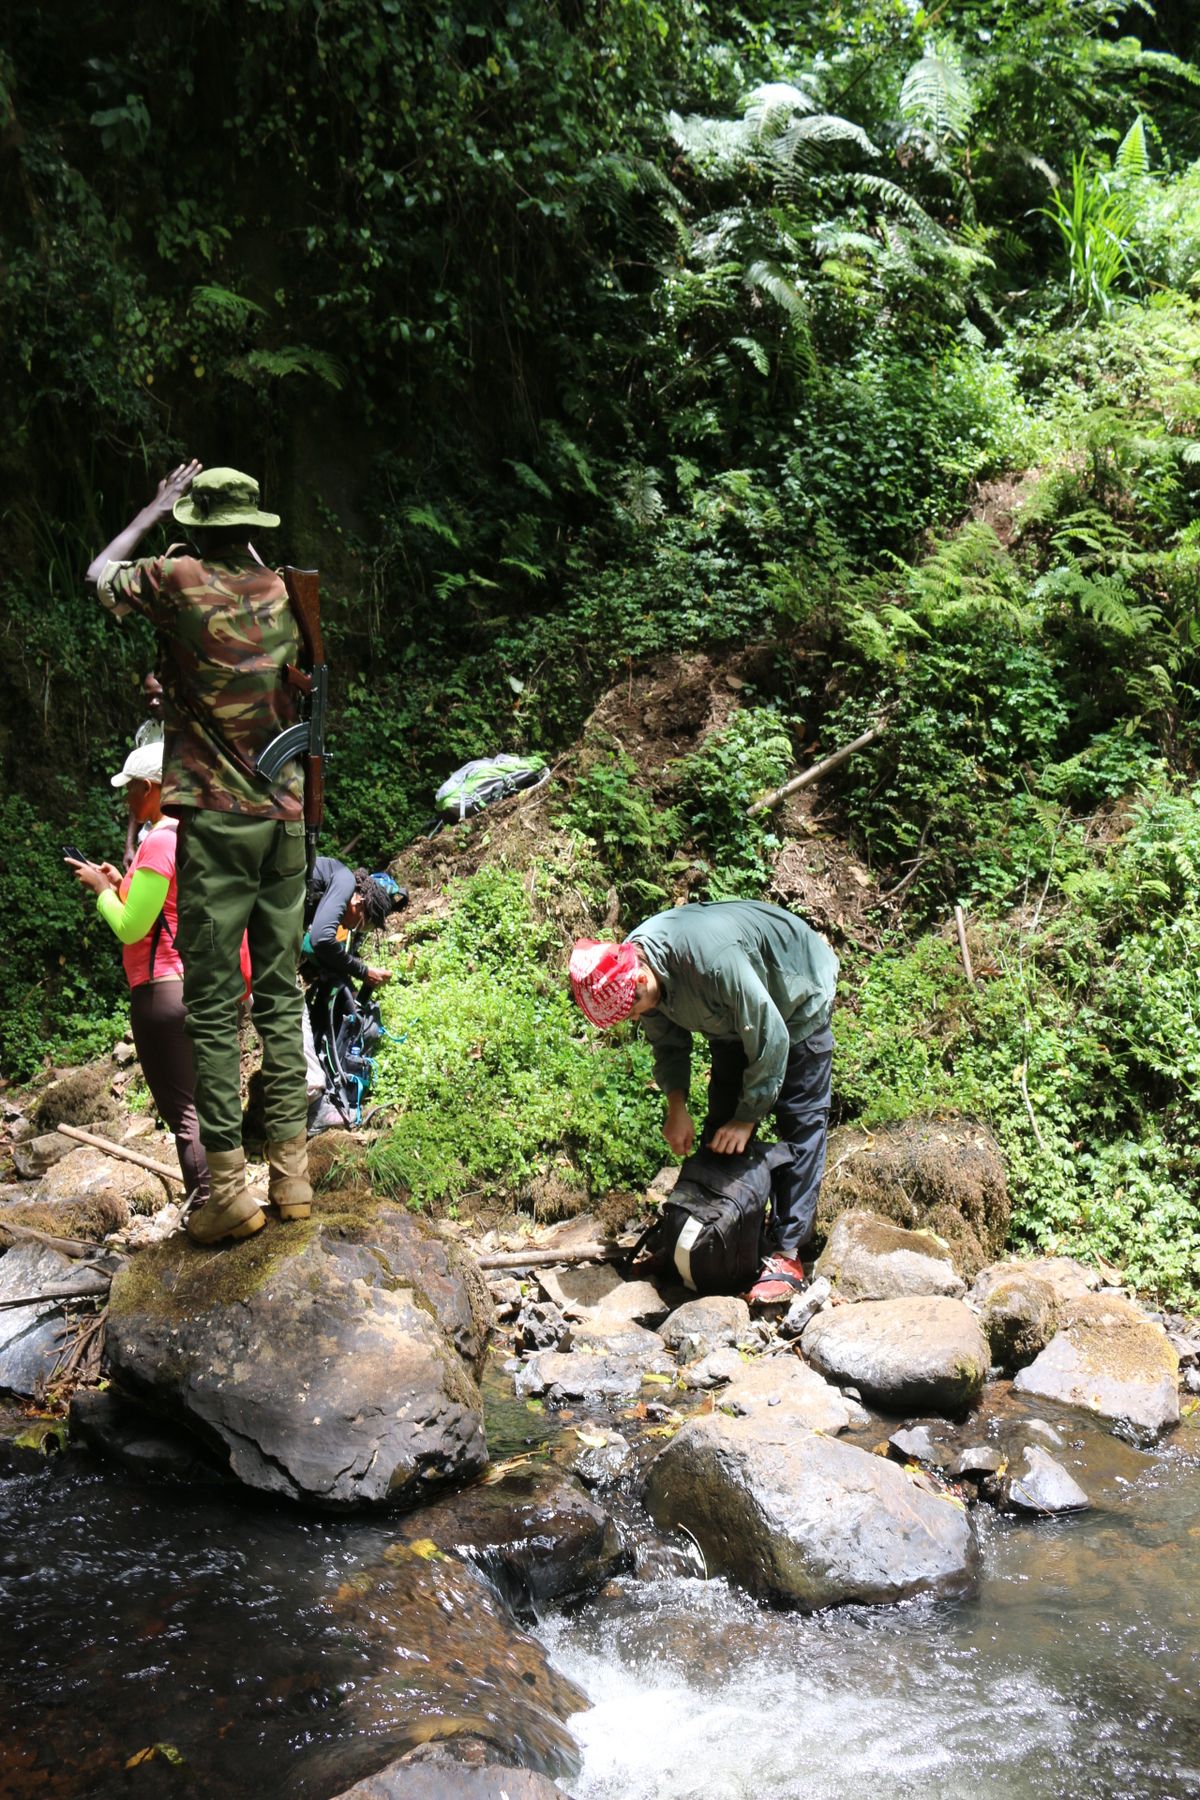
point(238, 874)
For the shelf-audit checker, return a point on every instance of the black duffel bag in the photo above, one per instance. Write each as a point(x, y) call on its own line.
point(710, 1230)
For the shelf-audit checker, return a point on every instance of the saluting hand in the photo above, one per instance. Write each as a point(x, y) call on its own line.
point(173, 487)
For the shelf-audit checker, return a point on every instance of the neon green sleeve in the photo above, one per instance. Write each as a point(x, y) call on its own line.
point(143, 903)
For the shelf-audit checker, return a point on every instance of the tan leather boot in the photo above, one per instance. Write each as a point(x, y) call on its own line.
point(288, 1187)
point(231, 1210)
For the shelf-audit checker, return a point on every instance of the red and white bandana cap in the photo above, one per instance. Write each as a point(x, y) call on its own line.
point(604, 980)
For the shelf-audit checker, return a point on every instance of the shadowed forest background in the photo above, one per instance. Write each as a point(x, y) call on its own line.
point(847, 355)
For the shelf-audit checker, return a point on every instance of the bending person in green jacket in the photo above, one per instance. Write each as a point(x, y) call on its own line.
point(759, 984)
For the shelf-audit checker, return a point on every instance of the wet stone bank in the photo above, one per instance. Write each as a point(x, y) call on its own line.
point(904, 1533)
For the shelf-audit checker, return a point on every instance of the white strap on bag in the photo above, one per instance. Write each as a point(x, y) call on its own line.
point(683, 1251)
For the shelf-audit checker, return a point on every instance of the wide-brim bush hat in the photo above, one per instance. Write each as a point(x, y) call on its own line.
point(143, 764)
point(604, 980)
point(222, 497)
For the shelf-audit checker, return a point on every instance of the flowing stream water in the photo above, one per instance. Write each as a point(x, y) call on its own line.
point(134, 1617)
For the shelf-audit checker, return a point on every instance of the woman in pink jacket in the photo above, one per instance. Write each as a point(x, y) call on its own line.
point(140, 907)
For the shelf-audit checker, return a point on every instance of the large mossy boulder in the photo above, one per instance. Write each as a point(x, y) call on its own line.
point(1108, 1358)
point(796, 1517)
point(940, 1175)
point(869, 1258)
point(332, 1361)
point(921, 1354)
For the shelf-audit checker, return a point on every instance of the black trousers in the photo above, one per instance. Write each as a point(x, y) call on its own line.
point(165, 1052)
point(802, 1120)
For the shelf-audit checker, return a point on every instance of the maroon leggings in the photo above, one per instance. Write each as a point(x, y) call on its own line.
point(165, 1052)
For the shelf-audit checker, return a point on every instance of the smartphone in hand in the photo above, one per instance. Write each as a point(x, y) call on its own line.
point(74, 855)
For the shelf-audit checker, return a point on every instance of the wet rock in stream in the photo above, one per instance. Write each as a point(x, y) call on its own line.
point(924, 1353)
point(600, 1364)
point(153, 1448)
point(799, 1518)
point(1109, 1358)
point(332, 1361)
point(535, 1532)
point(1035, 1483)
point(447, 1662)
point(436, 1772)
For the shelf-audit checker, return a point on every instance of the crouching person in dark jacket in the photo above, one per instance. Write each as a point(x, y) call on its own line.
point(759, 984)
point(341, 902)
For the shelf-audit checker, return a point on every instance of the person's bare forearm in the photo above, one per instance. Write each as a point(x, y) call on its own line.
point(122, 547)
point(126, 542)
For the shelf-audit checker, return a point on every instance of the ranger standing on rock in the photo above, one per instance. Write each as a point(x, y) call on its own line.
point(226, 633)
point(759, 984)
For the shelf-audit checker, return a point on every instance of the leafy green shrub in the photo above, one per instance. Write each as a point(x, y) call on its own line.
point(62, 988)
point(717, 785)
point(1079, 1049)
point(634, 839)
point(891, 442)
point(497, 1081)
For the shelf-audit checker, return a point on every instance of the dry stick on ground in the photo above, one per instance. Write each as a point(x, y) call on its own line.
point(818, 770)
point(544, 1259)
point(960, 925)
point(76, 1247)
point(54, 1294)
point(119, 1150)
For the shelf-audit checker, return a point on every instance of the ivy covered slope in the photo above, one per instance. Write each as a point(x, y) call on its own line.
point(851, 348)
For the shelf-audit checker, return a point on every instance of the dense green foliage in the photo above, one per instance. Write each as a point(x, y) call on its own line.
point(496, 1082)
point(566, 335)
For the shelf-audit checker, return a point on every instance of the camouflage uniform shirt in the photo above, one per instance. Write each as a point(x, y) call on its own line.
point(226, 630)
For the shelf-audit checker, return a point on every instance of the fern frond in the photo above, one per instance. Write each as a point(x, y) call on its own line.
point(755, 352)
point(937, 95)
point(832, 239)
point(529, 478)
point(770, 109)
point(224, 300)
point(291, 359)
point(1132, 160)
point(890, 197)
point(802, 142)
point(426, 519)
point(717, 142)
point(641, 500)
point(766, 278)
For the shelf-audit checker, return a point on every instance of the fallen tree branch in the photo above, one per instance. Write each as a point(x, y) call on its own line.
point(91, 1293)
point(120, 1150)
point(818, 771)
point(544, 1259)
point(960, 925)
point(76, 1247)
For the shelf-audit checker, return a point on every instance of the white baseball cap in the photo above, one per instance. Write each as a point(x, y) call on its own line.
point(143, 764)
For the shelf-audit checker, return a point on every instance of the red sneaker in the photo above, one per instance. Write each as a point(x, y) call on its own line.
point(780, 1278)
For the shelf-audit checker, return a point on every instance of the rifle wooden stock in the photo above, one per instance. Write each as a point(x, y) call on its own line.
point(304, 592)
